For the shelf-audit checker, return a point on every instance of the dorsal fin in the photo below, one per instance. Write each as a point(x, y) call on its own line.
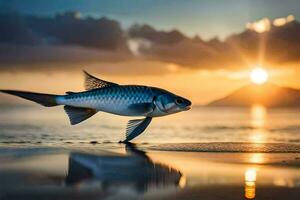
point(92, 82)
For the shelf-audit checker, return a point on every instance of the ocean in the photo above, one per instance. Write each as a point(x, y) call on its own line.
point(32, 125)
point(204, 153)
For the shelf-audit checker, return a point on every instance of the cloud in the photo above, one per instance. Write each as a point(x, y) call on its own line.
point(174, 47)
point(159, 37)
point(101, 33)
point(260, 26)
point(58, 57)
point(68, 40)
point(138, 45)
point(283, 20)
point(280, 44)
point(265, 24)
point(14, 30)
point(67, 28)
point(260, 42)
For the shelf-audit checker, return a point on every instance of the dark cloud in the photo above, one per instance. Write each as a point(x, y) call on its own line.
point(173, 46)
point(101, 33)
point(14, 30)
point(68, 28)
point(61, 57)
point(158, 37)
point(69, 38)
point(34, 42)
point(278, 45)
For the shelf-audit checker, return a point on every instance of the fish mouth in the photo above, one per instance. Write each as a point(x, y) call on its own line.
point(187, 107)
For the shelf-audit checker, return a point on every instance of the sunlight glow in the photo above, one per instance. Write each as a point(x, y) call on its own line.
point(259, 76)
point(258, 116)
point(250, 178)
point(283, 20)
point(258, 122)
point(284, 182)
point(258, 136)
point(260, 26)
point(250, 175)
point(257, 158)
point(265, 24)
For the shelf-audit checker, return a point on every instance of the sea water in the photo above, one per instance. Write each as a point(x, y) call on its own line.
point(40, 125)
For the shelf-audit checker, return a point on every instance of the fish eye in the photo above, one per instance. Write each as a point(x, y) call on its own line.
point(178, 101)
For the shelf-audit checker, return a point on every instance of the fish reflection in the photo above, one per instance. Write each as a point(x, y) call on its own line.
point(135, 169)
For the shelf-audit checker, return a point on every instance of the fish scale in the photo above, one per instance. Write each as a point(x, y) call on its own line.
point(112, 99)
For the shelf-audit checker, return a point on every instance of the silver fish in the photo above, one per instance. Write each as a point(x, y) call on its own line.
point(125, 100)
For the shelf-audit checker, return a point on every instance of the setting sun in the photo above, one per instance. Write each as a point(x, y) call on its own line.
point(259, 76)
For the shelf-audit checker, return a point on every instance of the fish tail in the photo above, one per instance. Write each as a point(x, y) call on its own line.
point(47, 100)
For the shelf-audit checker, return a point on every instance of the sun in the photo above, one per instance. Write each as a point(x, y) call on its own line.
point(259, 76)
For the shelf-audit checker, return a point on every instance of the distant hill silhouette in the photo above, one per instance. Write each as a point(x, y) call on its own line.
point(269, 95)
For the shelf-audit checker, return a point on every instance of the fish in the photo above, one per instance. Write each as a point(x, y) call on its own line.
point(104, 96)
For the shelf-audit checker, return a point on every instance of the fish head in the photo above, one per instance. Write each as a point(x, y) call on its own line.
point(170, 103)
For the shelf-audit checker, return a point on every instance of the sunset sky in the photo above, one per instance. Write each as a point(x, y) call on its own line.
point(43, 51)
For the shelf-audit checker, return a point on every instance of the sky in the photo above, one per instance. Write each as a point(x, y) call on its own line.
point(206, 18)
point(48, 54)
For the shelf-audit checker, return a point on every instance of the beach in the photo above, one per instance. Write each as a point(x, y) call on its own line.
point(134, 100)
point(133, 172)
point(209, 153)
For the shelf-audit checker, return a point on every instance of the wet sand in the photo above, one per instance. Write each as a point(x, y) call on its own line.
point(146, 172)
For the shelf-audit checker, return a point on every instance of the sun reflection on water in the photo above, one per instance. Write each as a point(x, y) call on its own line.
point(250, 179)
point(258, 136)
point(182, 181)
point(257, 158)
point(258, 116)
point(258, 122)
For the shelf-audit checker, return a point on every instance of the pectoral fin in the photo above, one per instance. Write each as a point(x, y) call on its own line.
point(136, 127)
point(77, 115)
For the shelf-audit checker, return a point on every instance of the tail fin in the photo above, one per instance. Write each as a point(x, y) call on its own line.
point(47, 100)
